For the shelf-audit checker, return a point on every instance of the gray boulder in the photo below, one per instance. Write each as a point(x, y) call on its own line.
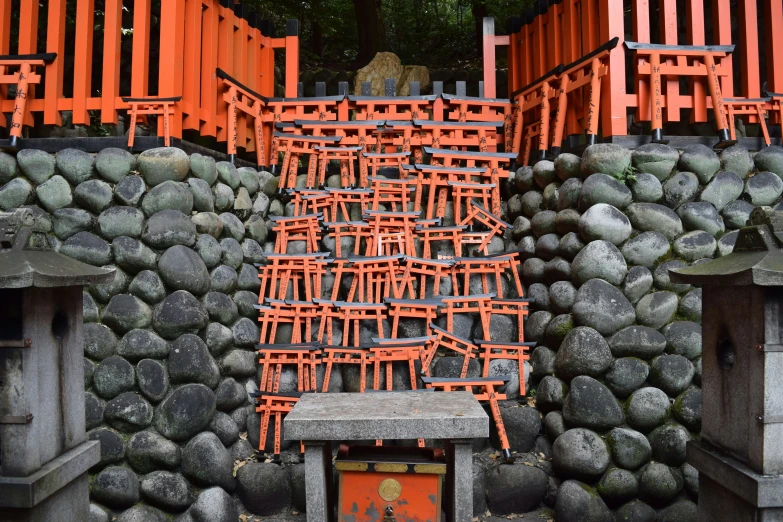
point(770, 159)
point(659, 484)
point(163, 164)
point(630, 449)
point(680, 188)
point(599, 259)
point(646, 409)
point(646, 188)
point(36, 165)
point(701, 216)
point(133, 255)
point(737, 159)
point(763, 189)
point(683, 338)
point(617, 486)
point(206, 462)
point(515, 488)
point(656, 159)
point(652, 217)
point(54, 194)
point(214, 505)
point(126, 312)
point(722, 190)
point(112, 376)
point(603, 221)
point(130, 190)
point(203, 167)
point(736, 214)
point(583, 352)
point(168, 228)
point(567, 166)
point(580, 453)
point(603, 307)
point(701, 160)
point(695, 245)
point(671, 373)
point(169, 195)
point(626, 375)
point(70, 221)
point(637, 341)
point(607, 158)
point(128, 412)
point(637, 283)
point(147, 452)
point(601, 188)
point(87, 248)
point(115, 487)
point(590, 404)
point(687, 408)
point(185, 412)
point(99, 341)
point(148, 287)
point(190, 361)
point(646, 249)
point(578, 502)
point(167, 490)
point(15, 193)
point(179, 313)
point(668, 443)
point(263, 488)
point(94, 195)
point(656, 309)
point(152, 379)
point(114, 164)
point(726, 243)
point(183, 269)
point(75, 165)
point(201, 193)
point(121, 221)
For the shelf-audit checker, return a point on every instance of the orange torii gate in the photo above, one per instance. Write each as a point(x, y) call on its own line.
point(493, 169)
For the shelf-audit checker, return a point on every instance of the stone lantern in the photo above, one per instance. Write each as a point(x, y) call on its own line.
point(44, 453)
point(740, 454)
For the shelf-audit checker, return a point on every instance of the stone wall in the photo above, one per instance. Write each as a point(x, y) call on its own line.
point(618, 362)
point(169, 355)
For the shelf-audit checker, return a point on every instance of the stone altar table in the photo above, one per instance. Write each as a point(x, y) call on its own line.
point(320, 418)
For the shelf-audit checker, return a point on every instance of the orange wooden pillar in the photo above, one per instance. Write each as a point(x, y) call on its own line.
point(773, 46)
point(55, 43)
point(291, 58)
point(172, 42)
point(613, 117)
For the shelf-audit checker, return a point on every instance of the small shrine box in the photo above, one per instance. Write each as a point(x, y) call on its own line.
point(380, 483)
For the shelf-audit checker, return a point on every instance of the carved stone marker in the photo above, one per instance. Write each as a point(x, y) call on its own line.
point(740, 454)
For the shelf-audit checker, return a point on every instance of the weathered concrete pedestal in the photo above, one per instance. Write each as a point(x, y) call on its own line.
point(44, 454)
point(319, 419)
point(740, 455)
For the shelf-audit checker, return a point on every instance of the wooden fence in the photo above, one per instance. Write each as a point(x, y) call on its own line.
point(558, 32)
point(196, 38)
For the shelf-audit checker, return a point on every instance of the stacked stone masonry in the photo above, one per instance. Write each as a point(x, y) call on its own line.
point(614, 378)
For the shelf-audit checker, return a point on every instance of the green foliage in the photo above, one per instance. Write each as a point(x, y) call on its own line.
point(436, 33)
point(629, 174)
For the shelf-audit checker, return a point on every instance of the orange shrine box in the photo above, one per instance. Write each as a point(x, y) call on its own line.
point(392, 483)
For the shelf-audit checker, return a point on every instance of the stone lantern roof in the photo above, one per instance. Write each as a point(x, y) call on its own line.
point(27, 259)
point(757, 258)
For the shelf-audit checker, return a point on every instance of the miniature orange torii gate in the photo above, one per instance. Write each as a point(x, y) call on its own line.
point(703, 64)
point(26, 76)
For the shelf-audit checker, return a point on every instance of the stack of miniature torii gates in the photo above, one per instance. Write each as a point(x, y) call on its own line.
point(387, 221)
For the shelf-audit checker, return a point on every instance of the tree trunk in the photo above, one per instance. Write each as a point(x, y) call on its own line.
point(478, 9)
point(371, 29)
point(316, 35)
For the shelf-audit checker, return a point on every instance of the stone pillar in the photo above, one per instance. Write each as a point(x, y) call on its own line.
point(44, 454)
point(740, 454)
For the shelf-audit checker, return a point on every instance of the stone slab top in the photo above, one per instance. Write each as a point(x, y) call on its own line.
point(386, 415)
